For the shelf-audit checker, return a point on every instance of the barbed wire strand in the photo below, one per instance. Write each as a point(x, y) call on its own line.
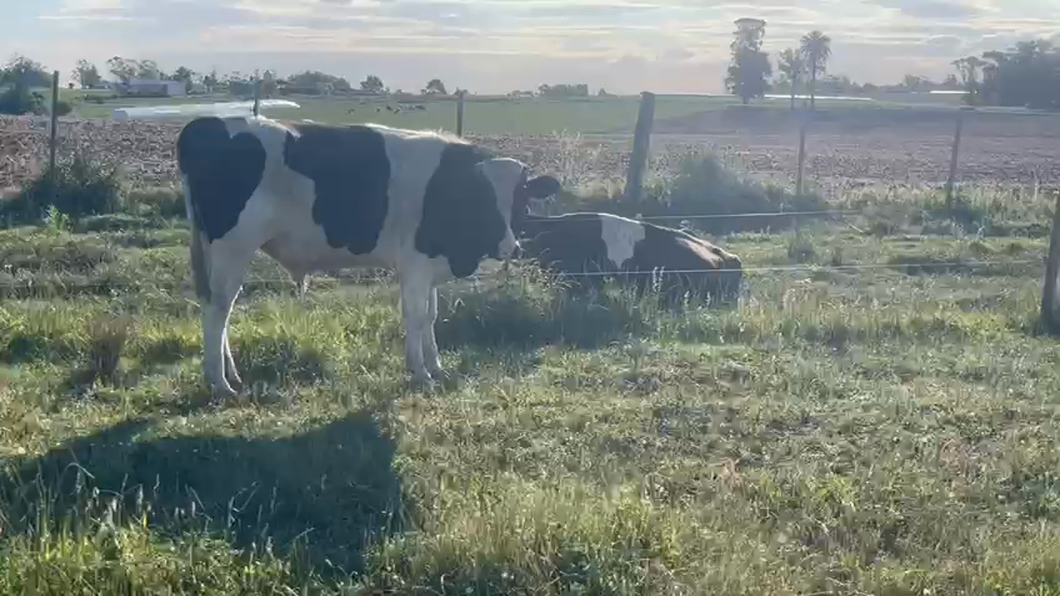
point(559, 218)
point(499, 275)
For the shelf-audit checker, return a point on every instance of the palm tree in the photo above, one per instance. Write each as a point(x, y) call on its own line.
point(816, 48)
point(793, 66)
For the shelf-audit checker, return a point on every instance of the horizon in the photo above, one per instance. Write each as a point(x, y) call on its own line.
point(496, 46)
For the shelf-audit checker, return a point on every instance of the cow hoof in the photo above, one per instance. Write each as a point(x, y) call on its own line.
point(444, 378)
point(236, 383)
point(421, 382)
point(222, 393)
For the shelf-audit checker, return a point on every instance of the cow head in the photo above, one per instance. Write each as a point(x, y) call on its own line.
point(513, 189)
point(473, 216)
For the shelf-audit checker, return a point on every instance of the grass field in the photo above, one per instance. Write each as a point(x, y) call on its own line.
point(482, 116)
point(486, 115)
point(887, 430)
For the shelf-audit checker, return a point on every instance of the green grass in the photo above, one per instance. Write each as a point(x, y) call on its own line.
point(486, 115)
point(482, 116)
point(883, 431)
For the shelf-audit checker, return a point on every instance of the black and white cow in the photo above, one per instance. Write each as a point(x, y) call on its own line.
point(319, 197)
point(605, 246)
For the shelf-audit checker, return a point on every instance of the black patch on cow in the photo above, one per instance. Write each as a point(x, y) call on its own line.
point(222, 172)
point(571, 243)
point(460, 220)
point(351, 170)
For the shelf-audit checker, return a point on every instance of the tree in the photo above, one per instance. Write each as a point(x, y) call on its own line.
point(24, 74)
point(970, 68)
point(563, 90)
point(210, 80)
point(86, 74)
point(435, 87)
point(186, 75)
point(372, 84)
point(816, 48)
point(1027, 75)
point(750, 69)
point(268, 84)
point(793, 66)
point(123, 69)
point(183, 73)
point(148, 69)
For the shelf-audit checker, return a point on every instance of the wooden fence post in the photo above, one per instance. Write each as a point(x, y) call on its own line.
point(459, 113)
point(951, 181)
point(1051, 285)
point(641, 143)
point(799, 173)
point(53, 138)
point(257, 95)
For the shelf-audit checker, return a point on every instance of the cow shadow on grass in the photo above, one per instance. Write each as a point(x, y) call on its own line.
point(319, 498)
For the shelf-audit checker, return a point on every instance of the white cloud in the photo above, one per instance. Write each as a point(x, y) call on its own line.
point(623, 44)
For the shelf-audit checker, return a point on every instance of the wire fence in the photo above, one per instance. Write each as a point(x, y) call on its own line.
point(894, 143)
point(964, 265)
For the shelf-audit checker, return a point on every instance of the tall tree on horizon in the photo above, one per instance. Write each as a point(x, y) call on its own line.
point(791, 63)
point(816, 49)
point(750, 69)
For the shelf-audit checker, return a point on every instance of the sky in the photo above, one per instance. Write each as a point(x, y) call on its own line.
point(496, 46)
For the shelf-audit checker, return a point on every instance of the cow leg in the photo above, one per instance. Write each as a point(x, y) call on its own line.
point(226, 280)
point(432, 360)
point(415, 296)
point(231, 373)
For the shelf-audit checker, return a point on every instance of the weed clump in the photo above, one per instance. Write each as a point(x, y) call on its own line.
point(703, 186)
point(79, 188)
point(107, 337)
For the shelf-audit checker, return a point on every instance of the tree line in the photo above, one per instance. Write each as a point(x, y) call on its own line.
point(1027, 75)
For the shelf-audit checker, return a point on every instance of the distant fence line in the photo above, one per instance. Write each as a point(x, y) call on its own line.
point(638, 162)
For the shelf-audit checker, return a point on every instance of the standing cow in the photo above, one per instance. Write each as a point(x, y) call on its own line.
point(318, 197)
point(603, 245)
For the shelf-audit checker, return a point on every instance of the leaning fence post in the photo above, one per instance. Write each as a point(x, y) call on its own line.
point(1051, 285)
point(460, 113)
point(641, 143)
point(257, 95)
point(951, 181)
point(53, 139)
point(799, 173)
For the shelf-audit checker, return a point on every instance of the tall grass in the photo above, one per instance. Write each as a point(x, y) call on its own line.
point(701, 186)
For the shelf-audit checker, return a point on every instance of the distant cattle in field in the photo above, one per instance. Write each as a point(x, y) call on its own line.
point(317, 197)
point(607, 246)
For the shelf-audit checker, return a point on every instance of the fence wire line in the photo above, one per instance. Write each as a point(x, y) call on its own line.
point(58, 284)
point(557, 218)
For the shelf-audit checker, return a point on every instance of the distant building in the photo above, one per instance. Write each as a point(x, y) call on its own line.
point(152, 88)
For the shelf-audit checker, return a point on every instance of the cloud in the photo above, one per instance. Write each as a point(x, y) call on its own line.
point(496, 45)
point(90, 10)
point(936, 9)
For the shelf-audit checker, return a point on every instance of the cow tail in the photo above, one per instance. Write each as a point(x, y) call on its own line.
point(199, 271)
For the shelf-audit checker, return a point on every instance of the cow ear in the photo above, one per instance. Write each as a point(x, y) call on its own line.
point(542, 187)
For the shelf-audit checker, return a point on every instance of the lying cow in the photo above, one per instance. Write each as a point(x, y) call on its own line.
point(316, 197)
point(605, 245)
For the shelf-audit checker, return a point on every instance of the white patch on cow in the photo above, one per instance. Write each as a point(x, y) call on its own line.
point(620, 236)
